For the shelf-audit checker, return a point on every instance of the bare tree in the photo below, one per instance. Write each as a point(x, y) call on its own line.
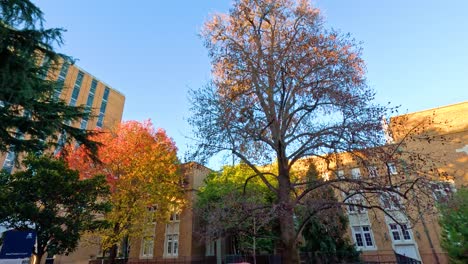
point(284, 88)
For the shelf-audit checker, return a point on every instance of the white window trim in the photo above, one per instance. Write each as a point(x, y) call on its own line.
point(364, 247)
point(174, 219)
point(150, 231)
point(142, 253)
point(399, 229)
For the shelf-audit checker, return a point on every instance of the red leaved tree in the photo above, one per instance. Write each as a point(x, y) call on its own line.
point(141, 166)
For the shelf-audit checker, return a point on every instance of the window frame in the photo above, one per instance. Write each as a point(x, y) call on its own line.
point(144, 240)
point(359, 230)
point(172, 236)
point(149, 232)
point(402, 231)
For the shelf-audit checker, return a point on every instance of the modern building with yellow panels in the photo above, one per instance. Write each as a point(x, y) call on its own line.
point(77, 87)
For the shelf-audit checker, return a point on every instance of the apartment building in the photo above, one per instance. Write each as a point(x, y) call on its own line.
point(439, 137)
point(430, 144)
point(78, 87)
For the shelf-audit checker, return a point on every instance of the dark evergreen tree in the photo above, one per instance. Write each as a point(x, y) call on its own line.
point(31, 115)
point(50, 199)
point(325, 231)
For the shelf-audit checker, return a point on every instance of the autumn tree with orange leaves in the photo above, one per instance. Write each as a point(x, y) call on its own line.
point(141, 166)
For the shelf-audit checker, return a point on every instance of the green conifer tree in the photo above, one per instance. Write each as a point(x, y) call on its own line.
point(325, 232)
point(31, 115)
point(50, 199)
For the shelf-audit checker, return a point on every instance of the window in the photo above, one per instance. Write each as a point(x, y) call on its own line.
point(325, 176)
point(400, 232)
point(363, 237)
point(390, 201)
point(171, 245)
point(355, 201)
point(45, 64)
point(151, 214)
point(61, 79)
point(441, 191)
point(392, 170)
point(102, 110)
point(60, 142)
point(147, 242)
point(372, 171)
point(340, 174)
point(356, 173)
point(92, 90)
point(89, 103)
point(147, 247)
point(9, 162)
point(76, 89)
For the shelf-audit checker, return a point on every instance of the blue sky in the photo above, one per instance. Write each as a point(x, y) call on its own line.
point(416, 51)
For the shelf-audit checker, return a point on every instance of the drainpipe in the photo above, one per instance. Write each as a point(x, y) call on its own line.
point(426, 230)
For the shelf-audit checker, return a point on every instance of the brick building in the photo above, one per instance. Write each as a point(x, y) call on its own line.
point(439, 140)
point(175, 240)
point(444, 134)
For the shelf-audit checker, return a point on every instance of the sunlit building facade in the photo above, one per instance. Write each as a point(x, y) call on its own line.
point(439, 135)
point(79, 88)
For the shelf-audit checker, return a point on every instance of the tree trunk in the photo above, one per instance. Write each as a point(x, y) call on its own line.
point(39, 249)
point(38, 258)
point(286, 217)
point(288, 234)
point(113, 254)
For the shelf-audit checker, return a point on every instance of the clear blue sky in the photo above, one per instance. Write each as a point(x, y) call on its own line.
point(416, 50)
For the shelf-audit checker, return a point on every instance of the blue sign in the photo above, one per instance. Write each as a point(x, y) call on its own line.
point(17, 244)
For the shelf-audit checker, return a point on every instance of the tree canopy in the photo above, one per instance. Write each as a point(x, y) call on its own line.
point(49, 198)
point(142, 168)
point(325, 238)
point(454, 222)
point(284, 89)
point(31, 115)
point(229, 207)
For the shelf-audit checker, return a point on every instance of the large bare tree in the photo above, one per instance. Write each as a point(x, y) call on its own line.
point(285, 88)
